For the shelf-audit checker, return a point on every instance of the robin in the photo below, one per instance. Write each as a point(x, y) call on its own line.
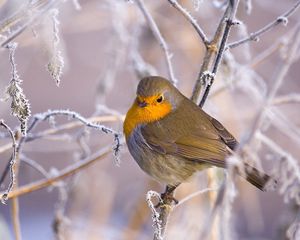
point(171, 138)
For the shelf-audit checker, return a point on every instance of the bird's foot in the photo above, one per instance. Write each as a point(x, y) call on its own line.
point(167, 198)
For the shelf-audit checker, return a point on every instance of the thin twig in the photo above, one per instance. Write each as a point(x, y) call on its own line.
point(74, 115)
point(15, 213)
point(211, 50)
point(276, 84)
point(252, 65)
point(290, 98)
point(229, 23)
point(214, 211)
point(157, 223)
point(52, 113)
point(12, 161)
point(195, 194)
point(254, 36)
point(68, 171)
point(159, 38)
point(191, 19)
point(46, 5)
point(69, 126)
point(30, 162)
point(64, 127)
point(16, 218)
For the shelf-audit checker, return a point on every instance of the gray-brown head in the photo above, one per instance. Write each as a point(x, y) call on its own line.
point(159, 87)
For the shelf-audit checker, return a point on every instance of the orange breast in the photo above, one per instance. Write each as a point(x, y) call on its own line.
point(137, 115)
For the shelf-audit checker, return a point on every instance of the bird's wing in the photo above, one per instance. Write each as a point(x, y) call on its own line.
point(226, 136)
point(191, 140)
point(190, 147)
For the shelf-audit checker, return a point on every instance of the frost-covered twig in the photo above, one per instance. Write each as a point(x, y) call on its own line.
point(24, 18)
point(218, 202)
point(254, 36)
point(51, 131)
point(15, 207)
point(288, 171)
point(60, 220)
point(74, 115)
point(157, 223)
point(159, 38)
point(12, 162)
point(30, 162)
point(191, 19)
point(195, 194)
point(56, 63)
point(289, 98)
point(230, 21)
point(211, 52)
point(140, 66)
point(275, 87)
point(68, 171)
point(20, 106)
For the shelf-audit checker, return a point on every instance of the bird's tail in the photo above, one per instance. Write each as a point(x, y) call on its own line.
point(259, 179)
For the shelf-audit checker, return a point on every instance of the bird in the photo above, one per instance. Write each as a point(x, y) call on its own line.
point(171, 138)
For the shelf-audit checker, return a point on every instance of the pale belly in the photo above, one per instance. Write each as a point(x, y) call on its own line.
point(165, 168)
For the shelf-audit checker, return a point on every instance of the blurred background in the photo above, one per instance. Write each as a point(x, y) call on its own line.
point(106, 46)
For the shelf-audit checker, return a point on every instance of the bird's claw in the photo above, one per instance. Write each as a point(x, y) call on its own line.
point(166, 200)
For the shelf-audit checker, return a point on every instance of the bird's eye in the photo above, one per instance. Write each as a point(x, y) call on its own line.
point(159, 99)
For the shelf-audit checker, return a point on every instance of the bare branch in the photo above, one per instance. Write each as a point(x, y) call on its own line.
point(195, 194)
point(191, 19)
point(34, 165)
point(210, 53)
point(64, 127)
point(277, 83)
point(15, 212)
point(281, 19)
point(290, 98)
point(12, 162)
point(56, 63)
point(68, 171)
point(157, 223)
point(229, 23)
point(24, 18)
point(159, 38)
point(44, 116)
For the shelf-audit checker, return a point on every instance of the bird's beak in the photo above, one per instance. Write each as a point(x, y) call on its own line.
point(142, 104)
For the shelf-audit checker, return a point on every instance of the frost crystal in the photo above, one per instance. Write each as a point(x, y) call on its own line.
point(56, 63)
point(20, 106)
point(155, 214)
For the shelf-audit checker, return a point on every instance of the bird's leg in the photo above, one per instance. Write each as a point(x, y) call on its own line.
point(168, 196)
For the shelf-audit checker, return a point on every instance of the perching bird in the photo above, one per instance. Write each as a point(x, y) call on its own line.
point(171, 138)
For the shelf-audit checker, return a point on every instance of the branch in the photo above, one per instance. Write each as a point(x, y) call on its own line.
point(39, 8)
point(68, 171)
point(191, 19)
point(195, 194)
point(211, 50)
point(291, 56)
point(159, 38)
point(47, 115)
point(12, 162)
point(229, 23)
point(67, 126)
point(52, 113)
point(15, 207)
point(254, 36)
point(34, 165)
point(159, 228)
point(290, 98)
